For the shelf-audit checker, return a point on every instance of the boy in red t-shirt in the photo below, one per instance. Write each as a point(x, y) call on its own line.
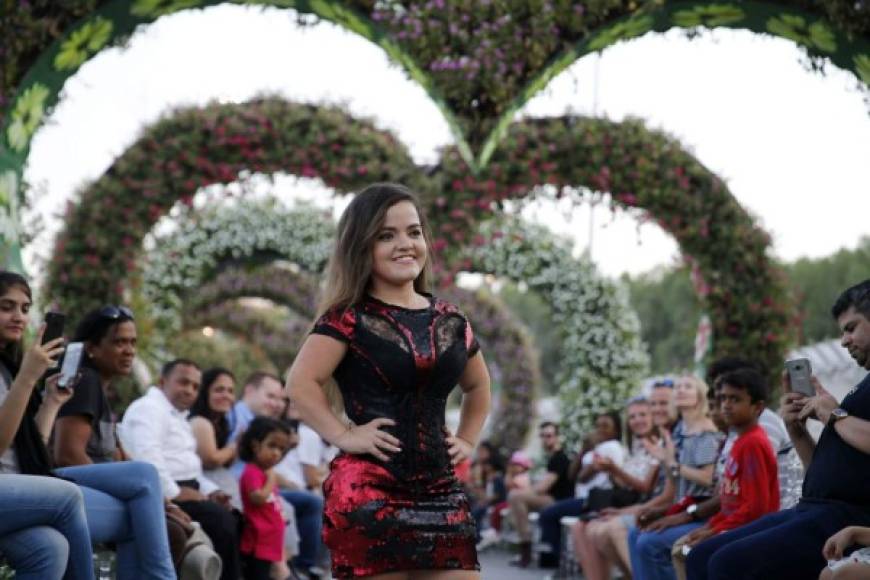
point(749, 485)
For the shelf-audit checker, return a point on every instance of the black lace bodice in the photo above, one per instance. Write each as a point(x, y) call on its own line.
point(402, 364)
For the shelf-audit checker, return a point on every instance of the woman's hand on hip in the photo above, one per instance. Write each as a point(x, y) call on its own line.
point(369, 438)
point(459, 449)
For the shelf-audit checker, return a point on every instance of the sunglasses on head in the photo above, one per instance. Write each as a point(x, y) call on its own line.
point(669, 383)
point(115, 312)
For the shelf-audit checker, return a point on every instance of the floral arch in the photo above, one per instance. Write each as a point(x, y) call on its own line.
point(498, 58)
point(642, 169)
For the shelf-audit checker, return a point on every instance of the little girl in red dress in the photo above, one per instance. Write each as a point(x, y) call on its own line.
point(263, 445)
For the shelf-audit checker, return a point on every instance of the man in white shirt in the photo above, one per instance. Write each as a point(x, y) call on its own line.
point(155, 429)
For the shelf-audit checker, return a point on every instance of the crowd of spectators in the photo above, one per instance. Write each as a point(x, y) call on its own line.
point(702, 486)
point(694, 487)
point(187, 465)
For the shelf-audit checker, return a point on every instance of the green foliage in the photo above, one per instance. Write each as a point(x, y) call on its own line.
point(669, 310)
point(819, 282)
point(534, 312)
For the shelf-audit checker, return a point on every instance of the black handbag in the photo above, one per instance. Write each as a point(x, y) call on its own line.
point(615, 497)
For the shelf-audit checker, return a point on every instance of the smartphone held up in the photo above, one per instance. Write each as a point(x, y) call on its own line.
point(72, 361)
point(54, 323)
point(799, 373)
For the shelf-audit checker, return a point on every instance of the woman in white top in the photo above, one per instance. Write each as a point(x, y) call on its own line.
point(208, 420)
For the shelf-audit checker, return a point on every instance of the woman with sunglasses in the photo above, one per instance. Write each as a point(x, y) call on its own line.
point(123, 499)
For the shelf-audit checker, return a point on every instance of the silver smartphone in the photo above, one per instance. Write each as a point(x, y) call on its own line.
point(72, 359)
point(799, 372)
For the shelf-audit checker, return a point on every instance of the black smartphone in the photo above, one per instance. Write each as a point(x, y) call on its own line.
point(54, 323)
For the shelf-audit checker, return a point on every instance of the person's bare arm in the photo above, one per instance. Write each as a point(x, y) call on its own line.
point(36, 361)
point(206, 445)
point(312, 369)
point(543, 485)
point(314, 476)
point(642, 485)
point(474, 382)
point(71, 437)
point(53, 400)
point(853, 430)
point(791, 406)
point(261, 496)
point(700, 475)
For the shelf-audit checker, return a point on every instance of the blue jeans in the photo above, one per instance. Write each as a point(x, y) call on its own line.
point(786, 544)
point(651, 551)
point(43, 528)
point(548, 521)
point(124, 504)
point(309, 520)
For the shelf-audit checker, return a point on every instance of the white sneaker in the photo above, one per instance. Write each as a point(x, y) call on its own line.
point(488, 537)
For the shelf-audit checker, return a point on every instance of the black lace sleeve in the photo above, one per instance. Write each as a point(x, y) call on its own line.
point(337, 323)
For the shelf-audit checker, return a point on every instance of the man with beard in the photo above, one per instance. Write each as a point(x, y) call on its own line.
point(788, 544)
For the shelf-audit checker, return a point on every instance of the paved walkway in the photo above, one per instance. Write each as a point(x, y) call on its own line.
point(494, 566)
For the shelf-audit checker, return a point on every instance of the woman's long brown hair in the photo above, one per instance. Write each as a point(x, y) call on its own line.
point(348, 274)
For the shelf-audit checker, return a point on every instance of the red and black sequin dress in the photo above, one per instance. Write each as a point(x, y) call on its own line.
point(409, 513)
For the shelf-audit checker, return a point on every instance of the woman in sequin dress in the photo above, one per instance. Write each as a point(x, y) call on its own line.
point(394, 509)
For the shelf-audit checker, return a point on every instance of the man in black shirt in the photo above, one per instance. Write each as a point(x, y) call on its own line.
point(836, 491)
point(552, 487)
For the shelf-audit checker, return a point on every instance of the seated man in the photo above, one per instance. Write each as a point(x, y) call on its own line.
point(554, 486)
point(155, 429)
point(789, 544)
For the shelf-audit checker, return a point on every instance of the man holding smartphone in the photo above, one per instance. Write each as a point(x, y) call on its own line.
point(836, 494)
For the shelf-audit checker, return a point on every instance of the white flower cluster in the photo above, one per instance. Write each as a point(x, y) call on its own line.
point(188, 257)
point(603, 358)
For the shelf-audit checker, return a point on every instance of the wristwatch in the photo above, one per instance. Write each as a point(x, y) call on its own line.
point(692, 510)
point(674, 470)
point(836, 415)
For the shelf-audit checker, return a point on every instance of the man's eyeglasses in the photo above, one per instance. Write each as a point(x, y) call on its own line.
point(115, 312)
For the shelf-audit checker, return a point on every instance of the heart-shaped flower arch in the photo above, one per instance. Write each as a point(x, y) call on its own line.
point(479, 62)
point(743, 291)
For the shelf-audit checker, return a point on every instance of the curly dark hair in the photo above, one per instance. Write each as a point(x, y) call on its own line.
point(257, 431)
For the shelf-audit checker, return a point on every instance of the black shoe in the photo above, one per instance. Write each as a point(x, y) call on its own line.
point(525, 557)
point(548, 560)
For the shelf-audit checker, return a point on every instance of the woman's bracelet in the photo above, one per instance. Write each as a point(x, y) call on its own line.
point(467, 441)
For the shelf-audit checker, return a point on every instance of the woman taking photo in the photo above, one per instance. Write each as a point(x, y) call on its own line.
point(123, 502)
point(43, 529)
point(394, 508)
